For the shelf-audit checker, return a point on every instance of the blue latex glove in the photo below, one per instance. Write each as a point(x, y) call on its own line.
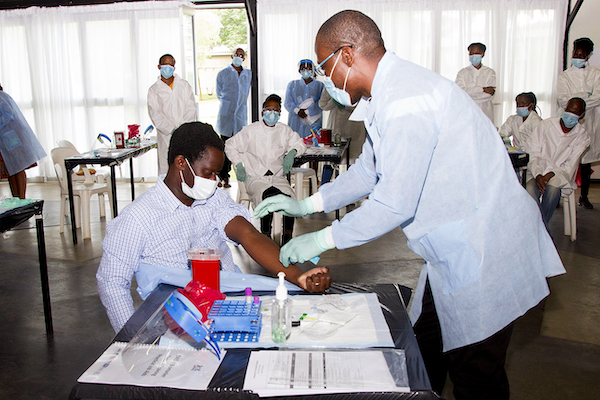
point(303, 248)
point(284, 205)
point(288, 161)
point(240, 172)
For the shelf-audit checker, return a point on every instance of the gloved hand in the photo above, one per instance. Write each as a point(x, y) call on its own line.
point(288, 161)
point(284, 205)
point(303, 248)
point(240, 172)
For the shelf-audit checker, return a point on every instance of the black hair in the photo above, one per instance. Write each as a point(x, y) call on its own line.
point(530, 96)
point(477, 44)
point(578, 99)
point(272, 97)
point(352, 28)
point(191, 140)
point(585, 44)
point(1, 88)
point(163, 56)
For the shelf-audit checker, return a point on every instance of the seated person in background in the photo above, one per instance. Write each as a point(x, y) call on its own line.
point(478, 80)
point(521, 126)
point(150, 238)
point(262, 153)
point(555, 149)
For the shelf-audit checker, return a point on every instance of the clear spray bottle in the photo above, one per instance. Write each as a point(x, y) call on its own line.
point(281, 313)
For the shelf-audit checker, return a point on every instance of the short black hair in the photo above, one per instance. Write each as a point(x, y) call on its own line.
point(163, 56)
point(477, 44)
point(191, 140)
point(530, 96)
point(585, 44)
point(578, 99)
point(272, 97)
point(352, 28)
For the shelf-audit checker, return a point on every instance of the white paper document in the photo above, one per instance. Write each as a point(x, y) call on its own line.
point(275, 373)
point(161, 366)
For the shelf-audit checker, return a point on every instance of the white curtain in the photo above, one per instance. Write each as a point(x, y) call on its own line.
point(523, 38)
point(82, 70)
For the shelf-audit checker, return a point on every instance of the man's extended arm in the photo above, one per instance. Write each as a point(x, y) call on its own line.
point(266, 253)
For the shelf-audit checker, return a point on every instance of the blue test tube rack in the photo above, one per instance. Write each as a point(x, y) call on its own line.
point(235, 321)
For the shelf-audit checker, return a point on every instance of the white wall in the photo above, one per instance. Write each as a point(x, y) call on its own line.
point(586, 25)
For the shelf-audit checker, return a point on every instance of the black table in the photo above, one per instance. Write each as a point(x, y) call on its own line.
point(335, 158)
point(519, 162)
point(112, 158)
point(14, 217)
point(229, 378)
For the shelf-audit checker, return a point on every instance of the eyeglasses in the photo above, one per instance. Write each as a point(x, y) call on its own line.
point(319, 69)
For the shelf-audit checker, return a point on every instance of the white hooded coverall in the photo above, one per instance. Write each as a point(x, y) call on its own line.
point(168, 109)
point(261, 148)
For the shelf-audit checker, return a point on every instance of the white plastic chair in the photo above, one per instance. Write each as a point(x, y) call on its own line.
point(570, 213)
point(243, 197)
point(102, 174)
point(299, 174)
point(81, 192)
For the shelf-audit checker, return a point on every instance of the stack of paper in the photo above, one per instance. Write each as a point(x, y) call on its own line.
point(182, 368)
point(277, 373)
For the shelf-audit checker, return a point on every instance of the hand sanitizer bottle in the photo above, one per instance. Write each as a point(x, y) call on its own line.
point(281, 313)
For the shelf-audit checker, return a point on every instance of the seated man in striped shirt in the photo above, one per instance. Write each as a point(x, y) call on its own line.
point(150, 238)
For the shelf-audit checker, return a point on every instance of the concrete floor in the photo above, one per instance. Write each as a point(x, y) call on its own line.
point(554, 352)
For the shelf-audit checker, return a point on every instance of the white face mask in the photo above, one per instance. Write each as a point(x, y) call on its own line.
point(203, 188)
point(339, 95)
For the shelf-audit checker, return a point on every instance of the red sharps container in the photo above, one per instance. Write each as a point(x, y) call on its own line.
point(206, 266)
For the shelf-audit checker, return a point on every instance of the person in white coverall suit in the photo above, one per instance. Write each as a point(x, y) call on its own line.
point(487, 253)
point(519, 127)
point(581, 80)
point(478, 80)
point(171, 103)
point(262, 154)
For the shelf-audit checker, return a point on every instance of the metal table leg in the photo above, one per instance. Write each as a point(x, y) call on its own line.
point(131, 179)
point(39, 227)
point(71, 205)
point(113, 188)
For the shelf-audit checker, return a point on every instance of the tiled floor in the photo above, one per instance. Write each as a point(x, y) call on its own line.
point(554, 352)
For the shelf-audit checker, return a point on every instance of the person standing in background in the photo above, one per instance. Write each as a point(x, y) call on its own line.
point(338, 122)
point(302, 101)
point(233, 86)
point(170, 103)
point(581, 80)
point(478, 80)
point(19, 147)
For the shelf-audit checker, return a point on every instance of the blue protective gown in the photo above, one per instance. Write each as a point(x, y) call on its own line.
point(19, 146)
point(297, 92)
point(232, 92)
point(434, 164)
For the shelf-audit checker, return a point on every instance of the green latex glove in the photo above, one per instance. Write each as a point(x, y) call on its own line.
point(288, 161)
point(240, 172)
point(284, 205)
point(303, 248)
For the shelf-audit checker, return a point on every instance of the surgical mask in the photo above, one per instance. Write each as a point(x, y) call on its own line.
point(523, 111)
point(167, 71)
point(237, 61)
point(305, 74)
point(570, 119)
point(271, 117)
point(475, 59)
point(339, 95)
point(203, 188)
point(578, 62)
